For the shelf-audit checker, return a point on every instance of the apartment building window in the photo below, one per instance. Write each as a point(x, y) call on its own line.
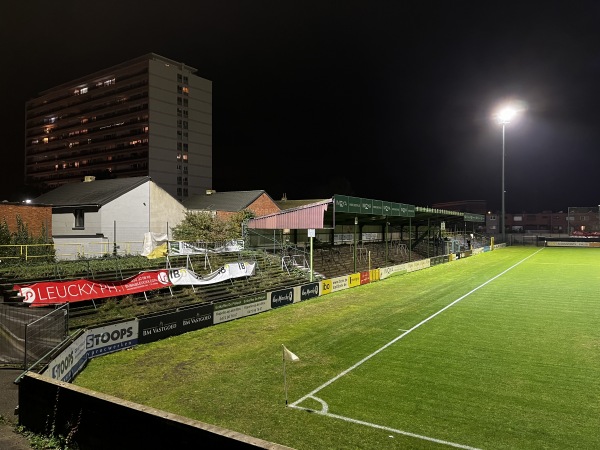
point(179, 101)
point(185, 113)
point(185, 124)
point(179, 77)
point(180, 112)
point(179, 145)
point(178, 192)
point(186, 90)
point(185, 102)
point(79, 219)
point(185, 192)
point(185, 80)
point(185, 147)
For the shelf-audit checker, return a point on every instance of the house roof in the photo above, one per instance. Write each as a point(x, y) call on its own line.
point(97, 192)
point(290, 204)
point(222, 201)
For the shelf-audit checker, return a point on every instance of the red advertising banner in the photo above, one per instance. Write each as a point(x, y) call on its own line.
point(53, 292)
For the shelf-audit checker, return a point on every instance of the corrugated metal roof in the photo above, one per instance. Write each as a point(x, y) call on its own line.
point(222, 201)
point(97, 192)
point(302, 218)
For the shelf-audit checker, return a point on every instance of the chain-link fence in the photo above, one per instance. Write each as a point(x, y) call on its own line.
point(27, 335)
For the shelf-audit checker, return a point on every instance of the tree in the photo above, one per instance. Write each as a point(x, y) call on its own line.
point(199, 226)
point(235, 223)
point(205, 227)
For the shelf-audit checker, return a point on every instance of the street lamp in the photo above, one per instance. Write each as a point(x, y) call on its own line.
point(504, 117)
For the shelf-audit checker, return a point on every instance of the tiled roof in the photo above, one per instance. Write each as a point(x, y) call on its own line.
point(222, 201)
point(97, 192)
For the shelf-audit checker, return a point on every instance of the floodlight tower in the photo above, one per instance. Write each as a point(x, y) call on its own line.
point(504, 117)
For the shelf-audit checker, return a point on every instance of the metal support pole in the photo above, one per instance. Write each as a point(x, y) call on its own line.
point(503, 216)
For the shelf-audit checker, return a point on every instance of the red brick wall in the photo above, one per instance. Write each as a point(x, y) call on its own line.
point(34, 216)
point(262, 206)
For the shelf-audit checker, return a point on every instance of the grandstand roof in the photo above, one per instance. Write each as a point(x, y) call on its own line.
point(344, 210)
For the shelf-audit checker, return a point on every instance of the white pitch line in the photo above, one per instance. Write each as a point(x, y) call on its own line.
point(391, 430)
point(396, 339)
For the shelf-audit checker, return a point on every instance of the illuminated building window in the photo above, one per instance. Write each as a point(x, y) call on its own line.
point(45, 140)
point(185, 157)
point(186, 90)
point(178, 156)
point(83, 90)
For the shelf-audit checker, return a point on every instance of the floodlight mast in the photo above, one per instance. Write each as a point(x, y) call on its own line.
point(504, 117)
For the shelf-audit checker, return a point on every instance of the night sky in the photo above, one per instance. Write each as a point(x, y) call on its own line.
point(381, 99)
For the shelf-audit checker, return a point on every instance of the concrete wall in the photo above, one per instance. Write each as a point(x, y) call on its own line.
point(100, 421)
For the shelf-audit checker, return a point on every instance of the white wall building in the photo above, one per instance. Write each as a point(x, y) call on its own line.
point(98, 217)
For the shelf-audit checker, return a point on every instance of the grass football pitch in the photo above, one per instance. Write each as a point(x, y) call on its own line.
point(497, 351)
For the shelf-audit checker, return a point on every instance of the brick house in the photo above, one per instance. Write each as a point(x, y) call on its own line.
point(224, 204)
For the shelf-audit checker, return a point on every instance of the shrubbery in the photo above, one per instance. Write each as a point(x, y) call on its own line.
point(12, 244)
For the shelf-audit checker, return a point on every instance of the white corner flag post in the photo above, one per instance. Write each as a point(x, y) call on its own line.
point(287, 356)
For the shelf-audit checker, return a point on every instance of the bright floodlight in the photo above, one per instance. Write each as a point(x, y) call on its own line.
point(506, 114)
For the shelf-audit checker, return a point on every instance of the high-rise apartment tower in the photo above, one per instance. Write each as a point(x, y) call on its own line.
point(147, 116)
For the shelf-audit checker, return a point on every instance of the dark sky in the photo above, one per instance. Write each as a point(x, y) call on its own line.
point(382, 99)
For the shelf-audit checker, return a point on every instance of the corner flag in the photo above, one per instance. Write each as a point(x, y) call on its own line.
point(289, 355)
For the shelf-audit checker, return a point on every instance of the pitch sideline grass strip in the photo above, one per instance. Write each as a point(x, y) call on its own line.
point(324, 411)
